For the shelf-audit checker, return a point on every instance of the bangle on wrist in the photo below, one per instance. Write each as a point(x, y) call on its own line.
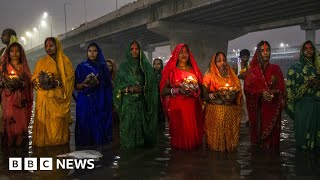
point(171, 91)
point(58, 83)
point(175, 91)
point(210, 96)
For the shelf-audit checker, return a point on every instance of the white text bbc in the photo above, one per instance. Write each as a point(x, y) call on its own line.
point(46, 164)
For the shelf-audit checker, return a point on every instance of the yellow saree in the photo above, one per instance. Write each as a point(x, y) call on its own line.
point(52, 111)
point(222, 122)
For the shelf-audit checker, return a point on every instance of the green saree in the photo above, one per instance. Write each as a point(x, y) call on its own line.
point(138, 113)
point(303, 104)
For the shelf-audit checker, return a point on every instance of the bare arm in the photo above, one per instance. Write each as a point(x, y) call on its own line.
point(205, 94)
point(168, 90)
point(79, 86)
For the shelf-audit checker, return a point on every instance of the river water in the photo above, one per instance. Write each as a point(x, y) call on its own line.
point(162, 162)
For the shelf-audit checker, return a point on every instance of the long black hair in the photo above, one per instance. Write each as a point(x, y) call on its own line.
point(161, 62)
point(259, 49)
point(188, 62)
point(216, 55)
point(15, 44)
point(51, 39)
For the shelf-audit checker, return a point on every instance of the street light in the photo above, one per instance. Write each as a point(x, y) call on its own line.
point(30, 36)
point(284, 46)
point(65, 16)
point(85, 13)
point(45, 15)
point(43, 22)
point(24, 40)
point(37, 31)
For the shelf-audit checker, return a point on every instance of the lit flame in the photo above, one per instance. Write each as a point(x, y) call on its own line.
point(190, 78)
point(227, 85)
point(12, 75)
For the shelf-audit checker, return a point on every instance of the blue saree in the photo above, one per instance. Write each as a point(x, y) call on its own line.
point(94, 104)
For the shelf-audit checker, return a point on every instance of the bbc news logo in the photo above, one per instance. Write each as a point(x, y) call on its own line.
point(46, 164)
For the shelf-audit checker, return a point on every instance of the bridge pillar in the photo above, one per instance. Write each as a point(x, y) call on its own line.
point(114, 51)
point(110, 51)
point(149, 56)
point(311, 35)
point(310, 29)
point(202, 49)
point(203, 40)
point(149, 51)
point(117, 51)
point(76, 54)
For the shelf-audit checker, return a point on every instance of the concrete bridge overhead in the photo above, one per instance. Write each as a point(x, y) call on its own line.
point(205, 25)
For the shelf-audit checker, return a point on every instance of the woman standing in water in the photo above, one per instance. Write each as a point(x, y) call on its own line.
point(94, 100)
point(16, 96)
point(53, 78)
point(180, 92)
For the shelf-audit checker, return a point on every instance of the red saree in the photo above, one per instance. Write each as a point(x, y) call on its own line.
point(184, 113)
point(264, 116)
point(16, 105)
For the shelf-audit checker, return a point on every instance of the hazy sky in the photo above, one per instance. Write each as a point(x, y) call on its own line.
point(23, 15)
